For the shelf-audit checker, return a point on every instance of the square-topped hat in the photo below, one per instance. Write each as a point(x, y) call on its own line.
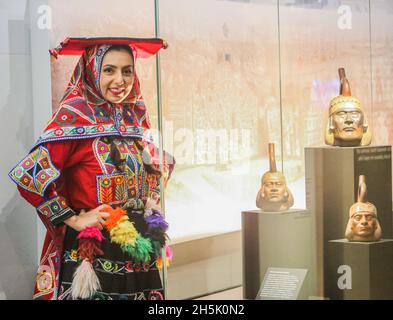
point(145, 47)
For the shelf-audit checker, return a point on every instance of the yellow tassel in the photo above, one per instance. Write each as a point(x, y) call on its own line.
point(124, 233)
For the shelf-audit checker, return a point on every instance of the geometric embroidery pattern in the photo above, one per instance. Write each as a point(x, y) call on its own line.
point(111, 188)
point(90, 132)
point(55, 208)
point(123, 268)
point(153, 182)
point(110, 266)
point(148, 294)
point(35, 172)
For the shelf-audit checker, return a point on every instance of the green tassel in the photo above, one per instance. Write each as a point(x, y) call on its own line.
point(128, 248)
point(142, 249)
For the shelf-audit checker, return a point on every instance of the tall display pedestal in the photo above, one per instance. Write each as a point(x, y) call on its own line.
point(332, 176)
point(359, 270)
point(277, 239)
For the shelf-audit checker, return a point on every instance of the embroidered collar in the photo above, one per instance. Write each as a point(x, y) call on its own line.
point(84, 113)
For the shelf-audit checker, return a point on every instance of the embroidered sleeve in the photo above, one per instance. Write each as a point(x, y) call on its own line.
point(35, 176)
point(35, 172)
point(56, 210)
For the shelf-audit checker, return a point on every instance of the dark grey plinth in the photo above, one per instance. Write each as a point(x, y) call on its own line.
point(371, 266)
point(332, 175)
point(275, 240)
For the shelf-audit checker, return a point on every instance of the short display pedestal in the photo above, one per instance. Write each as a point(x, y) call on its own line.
point(276, 239)
point(359, 270)
point(332, 180)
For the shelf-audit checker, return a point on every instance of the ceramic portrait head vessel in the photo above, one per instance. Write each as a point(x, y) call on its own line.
point(274, 195)
point(347, 126)
point(363, 222)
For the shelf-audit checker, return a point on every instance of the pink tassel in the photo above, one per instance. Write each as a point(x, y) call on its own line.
point(91, 232)
point(168, 252)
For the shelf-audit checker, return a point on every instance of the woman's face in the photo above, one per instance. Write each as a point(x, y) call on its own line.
point(117, 75)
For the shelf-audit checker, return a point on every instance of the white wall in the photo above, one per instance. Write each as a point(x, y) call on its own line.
point(22, 115)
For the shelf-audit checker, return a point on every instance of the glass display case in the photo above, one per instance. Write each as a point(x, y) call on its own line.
point(236, 76)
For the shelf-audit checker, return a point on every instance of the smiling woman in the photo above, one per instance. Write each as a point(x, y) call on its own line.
point(94, 178)
point(117, 74)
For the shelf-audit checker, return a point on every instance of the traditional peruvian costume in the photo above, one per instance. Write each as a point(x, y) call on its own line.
point(94, 152)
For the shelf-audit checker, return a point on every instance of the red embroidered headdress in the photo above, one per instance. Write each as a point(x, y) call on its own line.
point(83, 112)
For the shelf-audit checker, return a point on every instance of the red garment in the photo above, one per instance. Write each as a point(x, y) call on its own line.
point(76, 160)
point(83, 180)
point(70, 167)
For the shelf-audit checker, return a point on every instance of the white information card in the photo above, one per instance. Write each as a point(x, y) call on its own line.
point(281, 284)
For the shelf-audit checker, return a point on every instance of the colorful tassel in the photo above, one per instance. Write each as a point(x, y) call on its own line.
point(156, 228)
point(85, 282)
point(168, 252)
point(89, 249)
point(159, 263)
point(168, 255)
point(91, 232)
point(142, 249)
point(114, 216)
point(89, 243)
point(156, 221)
point(124, 232)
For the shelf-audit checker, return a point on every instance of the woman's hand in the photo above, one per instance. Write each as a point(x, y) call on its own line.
point(91, 218)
